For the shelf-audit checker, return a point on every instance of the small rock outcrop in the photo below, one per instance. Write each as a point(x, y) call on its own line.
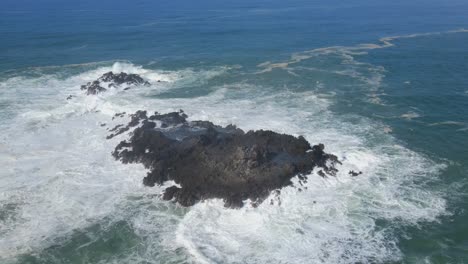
point(354, 173)
point(209, 161)
point(111, 80)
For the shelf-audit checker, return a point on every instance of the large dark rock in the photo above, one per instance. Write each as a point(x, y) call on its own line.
point(210, 161)
point(111, 80)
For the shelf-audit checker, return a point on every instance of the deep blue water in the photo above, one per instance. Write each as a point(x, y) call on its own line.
point(56, 32)
point(396, 111)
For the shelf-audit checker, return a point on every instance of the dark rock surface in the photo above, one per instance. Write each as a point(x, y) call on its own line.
point(209, 161)
point(354, 174)
point(111, 80)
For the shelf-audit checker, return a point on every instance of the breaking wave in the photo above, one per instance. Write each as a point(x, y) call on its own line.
point(62, 189)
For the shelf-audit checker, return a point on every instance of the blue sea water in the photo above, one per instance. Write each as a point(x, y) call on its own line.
point(383, 84)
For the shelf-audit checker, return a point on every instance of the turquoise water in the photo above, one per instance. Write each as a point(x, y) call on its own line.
point(383, 85)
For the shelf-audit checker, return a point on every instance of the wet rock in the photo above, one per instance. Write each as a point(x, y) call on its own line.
point(321, 174)
point(354, 174)
point(209, 161)
point(122, 78)
point(122, 114)
point(93, 88)
point(110, 80)
point(170, 192)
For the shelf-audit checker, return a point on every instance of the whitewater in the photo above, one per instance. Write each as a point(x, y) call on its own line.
point(63, 196)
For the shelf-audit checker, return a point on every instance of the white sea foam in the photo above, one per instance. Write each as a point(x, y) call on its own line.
point(333, 221)
point(410, 115)
point(359, 49)
point(448, 123)
point(346, 55)
point(61, 176)
point(461, 126)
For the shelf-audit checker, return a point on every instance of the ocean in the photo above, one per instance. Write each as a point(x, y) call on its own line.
point(383, 84)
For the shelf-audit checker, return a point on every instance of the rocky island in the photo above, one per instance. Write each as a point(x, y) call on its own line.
point(209, 161)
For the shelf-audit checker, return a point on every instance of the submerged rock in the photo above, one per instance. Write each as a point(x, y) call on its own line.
point(111, 80)
point(354, 173)
point(93, 88)
point(209, 161)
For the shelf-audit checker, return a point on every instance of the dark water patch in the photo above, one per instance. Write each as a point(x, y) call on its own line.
point(95, 244)
point(442, 242)
point(8, 214)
